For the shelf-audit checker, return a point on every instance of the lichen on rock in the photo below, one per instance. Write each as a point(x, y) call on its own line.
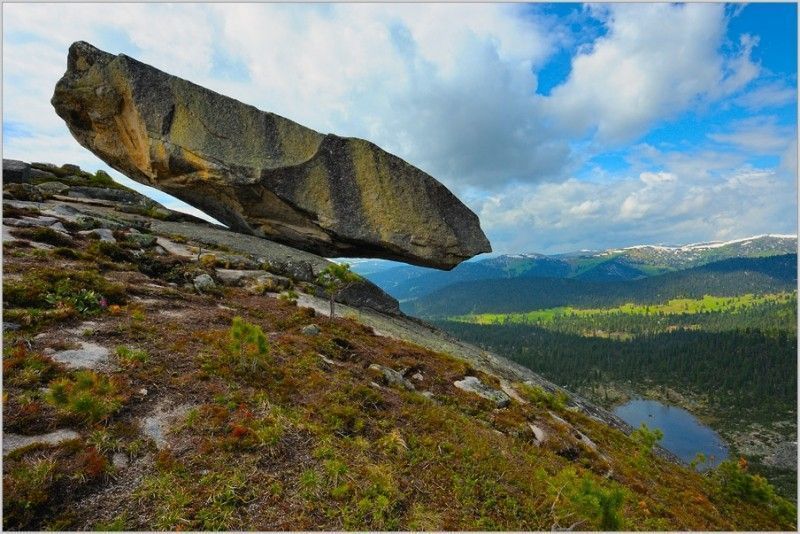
point(258, 172)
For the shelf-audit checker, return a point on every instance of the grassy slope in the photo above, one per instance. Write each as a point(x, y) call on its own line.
point(298, 433)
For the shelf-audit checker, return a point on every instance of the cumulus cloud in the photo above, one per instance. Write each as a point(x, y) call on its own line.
point(656, 61)
point(453, 89)
point(668, 207)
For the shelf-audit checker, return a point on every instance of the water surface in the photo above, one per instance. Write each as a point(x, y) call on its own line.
point(684, 434)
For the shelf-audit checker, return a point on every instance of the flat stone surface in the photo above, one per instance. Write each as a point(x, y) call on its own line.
point(26, 221)
point(12, 442)
point(392, 377)
point(157, 424)
point(178, 249)
point(7, 237)
point(509, 390)
point(89, 355)
point(237, 276)
point(538, 433)
point(474, 385)
point(104, 233)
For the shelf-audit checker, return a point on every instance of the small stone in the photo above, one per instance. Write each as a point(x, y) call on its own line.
point(119, 460)
point(418, 377)
point(538, 433)
point(12, 442)
point(235, 277)
point(310, 330)
point(204, 283)
point(392, 377)
point(103, 233)
point(8, 326)
point(53, 188)
point(22, 191)
point(509, 390)
point(89, 355)
point(143, 392)
point(474, 385)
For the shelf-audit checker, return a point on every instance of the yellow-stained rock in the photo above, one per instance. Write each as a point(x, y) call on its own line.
point(260, 173)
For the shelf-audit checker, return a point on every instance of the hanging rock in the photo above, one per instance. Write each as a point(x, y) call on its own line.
point(258, 172)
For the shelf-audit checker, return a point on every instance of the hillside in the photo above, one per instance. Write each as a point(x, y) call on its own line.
point(729, 277)
point(408, 282)
point(163, 374)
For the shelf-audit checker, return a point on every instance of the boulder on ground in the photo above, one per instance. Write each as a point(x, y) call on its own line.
point(258, 172)
point(15, 171)
point(204, 283)
point(53, 187)
point(22, 191)
point(474, 385)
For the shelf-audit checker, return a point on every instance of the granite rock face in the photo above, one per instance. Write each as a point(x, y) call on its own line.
point(15, 171)
point(260, 173)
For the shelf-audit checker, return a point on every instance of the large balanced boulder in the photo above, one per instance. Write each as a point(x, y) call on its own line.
point(258, 172)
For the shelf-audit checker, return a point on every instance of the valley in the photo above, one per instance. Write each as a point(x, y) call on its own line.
point(718, 339)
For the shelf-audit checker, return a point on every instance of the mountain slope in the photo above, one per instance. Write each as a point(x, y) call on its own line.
point(725, 278)
point(407, 282)
point(137, 398)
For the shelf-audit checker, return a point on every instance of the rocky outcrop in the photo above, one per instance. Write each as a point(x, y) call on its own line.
point(15, 171)
point(258, 172)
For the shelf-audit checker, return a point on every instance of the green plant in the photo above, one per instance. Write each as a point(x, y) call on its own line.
point(248, 344)
point(87, 395)
point(646, 438)
point(85, 301)
point(537, 395)
point(699, 459)
point(132, 356)
point(26, 487)
point(735, 482)
point(289, 296)
point(334, 279)
point(118, 524)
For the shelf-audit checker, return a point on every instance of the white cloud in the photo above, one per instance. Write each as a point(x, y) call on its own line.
point(758, 135)
point(773, 94)
point(452, 89)
point(657, 60)
point(667, 207)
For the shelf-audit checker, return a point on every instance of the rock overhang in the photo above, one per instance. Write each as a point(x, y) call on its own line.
point(258, 172)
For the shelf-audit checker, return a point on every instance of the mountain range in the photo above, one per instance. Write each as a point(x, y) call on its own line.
point(612, 265)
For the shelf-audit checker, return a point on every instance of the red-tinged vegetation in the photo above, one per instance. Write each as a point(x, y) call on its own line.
point(286, 431)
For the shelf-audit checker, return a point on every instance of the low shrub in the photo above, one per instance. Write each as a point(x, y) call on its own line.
point(87, 396)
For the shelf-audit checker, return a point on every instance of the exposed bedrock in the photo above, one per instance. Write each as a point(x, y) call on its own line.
point(258, 172)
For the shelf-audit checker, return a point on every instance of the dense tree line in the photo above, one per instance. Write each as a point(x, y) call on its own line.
point(725, 278)
point(745, 370)
point(770, 317)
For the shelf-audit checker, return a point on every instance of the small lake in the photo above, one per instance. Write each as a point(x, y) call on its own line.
point(684, 434)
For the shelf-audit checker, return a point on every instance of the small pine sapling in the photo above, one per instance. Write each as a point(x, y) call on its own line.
point(334, 279)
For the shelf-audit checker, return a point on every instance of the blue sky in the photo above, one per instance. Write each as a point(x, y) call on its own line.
point(563, 126)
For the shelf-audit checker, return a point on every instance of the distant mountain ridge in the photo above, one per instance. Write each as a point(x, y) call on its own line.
point(616, 264)
point(725, 278)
